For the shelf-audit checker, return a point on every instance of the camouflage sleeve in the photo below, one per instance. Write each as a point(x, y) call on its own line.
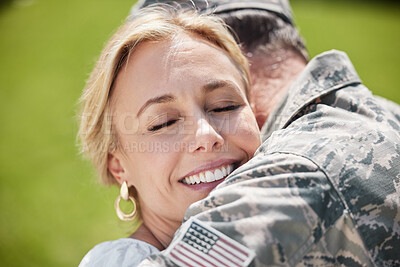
point(280, 206)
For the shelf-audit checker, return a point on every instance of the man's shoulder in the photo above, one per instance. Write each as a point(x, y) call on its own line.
point(393, 107)
point(353, 137)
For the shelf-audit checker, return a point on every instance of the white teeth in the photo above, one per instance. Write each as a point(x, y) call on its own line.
point(218, 174)
point(187, 180)
point(209, 176)
point(229, 169)
point(223, 171)
point(202, 178)
point(196, 178)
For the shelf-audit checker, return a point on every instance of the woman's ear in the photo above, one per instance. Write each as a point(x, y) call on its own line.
point(115, 168)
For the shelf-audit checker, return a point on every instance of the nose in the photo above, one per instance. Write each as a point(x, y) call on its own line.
point(206, 137)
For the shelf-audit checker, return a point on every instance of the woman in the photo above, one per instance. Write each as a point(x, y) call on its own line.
point(165, 114)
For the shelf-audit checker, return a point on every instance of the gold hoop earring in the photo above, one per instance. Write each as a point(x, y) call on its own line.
point(124, 194)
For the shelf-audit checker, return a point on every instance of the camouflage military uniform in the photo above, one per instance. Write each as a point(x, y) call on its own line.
point(324, 187)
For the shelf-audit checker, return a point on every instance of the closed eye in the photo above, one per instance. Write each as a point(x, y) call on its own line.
point(227, 108)
point(162, 125)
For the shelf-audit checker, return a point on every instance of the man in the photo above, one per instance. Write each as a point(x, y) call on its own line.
point(324, 187)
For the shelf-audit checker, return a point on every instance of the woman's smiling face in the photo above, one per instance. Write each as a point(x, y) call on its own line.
point(183, 123)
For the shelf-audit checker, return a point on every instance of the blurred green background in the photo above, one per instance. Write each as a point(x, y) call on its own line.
point(52, 208)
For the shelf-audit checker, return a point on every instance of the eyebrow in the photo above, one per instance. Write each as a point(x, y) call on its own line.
point(156, 100)
point(215, 84)
point(209, 87)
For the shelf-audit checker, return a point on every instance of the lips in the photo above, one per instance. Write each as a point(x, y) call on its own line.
point(209, 176)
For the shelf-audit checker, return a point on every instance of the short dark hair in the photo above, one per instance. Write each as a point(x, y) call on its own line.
point(260, 30)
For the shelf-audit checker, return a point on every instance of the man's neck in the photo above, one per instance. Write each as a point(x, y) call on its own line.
point(271, 77)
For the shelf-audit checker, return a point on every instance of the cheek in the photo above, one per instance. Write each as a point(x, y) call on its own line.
point(246, 132)
point(152, 158)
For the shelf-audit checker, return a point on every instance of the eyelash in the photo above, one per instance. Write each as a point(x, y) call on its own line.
point(168, 123)
point(162, 125)
point(227, 108)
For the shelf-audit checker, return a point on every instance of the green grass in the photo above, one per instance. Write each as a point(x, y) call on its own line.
point(53, 210)
point(369, 32)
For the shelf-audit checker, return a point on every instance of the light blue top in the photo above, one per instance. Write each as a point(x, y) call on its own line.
point(122, 252)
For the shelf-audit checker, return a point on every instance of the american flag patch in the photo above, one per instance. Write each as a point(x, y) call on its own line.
point(201, 245)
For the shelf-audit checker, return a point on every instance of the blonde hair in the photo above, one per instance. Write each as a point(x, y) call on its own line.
point(154, 23)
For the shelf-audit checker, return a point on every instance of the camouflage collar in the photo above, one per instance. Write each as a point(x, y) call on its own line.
point(325, 73)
